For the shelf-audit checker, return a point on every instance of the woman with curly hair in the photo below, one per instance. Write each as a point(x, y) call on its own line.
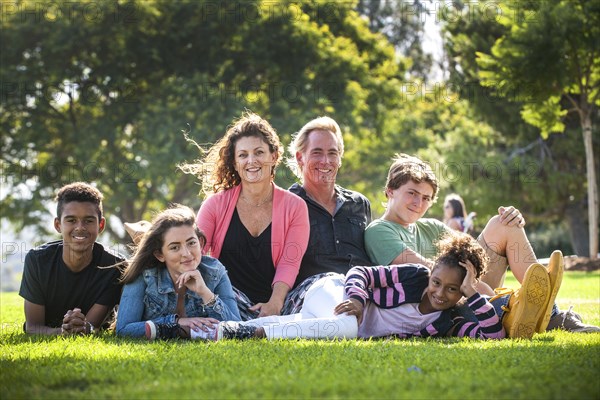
point(258, 230)
point(410, 300)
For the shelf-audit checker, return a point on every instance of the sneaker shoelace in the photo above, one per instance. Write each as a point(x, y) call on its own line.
point(569, 311)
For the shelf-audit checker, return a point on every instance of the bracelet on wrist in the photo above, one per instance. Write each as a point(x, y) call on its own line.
point(89, 328)
point(212, 301)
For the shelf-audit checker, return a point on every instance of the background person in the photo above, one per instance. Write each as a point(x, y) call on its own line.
point(455, 214)
point(171, 290)
point(65, 289)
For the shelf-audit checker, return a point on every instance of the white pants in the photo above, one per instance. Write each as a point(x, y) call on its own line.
point(316, 320)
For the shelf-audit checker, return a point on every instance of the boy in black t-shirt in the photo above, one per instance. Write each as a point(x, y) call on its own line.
point(65, 289)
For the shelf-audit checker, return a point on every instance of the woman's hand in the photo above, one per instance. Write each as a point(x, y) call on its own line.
point(468, 286)
point(199, 324)
point(272, 307)
point(275, 303)
point(350, 307)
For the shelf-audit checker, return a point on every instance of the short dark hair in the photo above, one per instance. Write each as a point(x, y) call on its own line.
point(81, 192)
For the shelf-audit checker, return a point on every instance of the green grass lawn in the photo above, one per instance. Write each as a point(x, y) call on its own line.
point(553, 365)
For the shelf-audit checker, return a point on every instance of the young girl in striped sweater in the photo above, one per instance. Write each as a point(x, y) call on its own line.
point(403, 300)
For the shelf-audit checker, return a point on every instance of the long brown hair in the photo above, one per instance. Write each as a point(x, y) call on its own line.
point(457, 204)
point(153, 240)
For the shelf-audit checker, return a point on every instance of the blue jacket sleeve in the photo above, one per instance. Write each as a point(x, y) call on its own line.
point(131, 310)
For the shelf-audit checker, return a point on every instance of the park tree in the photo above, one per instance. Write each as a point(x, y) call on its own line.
point(103, 91)
point(403, 24)
point(543, 172)
point(549, 58)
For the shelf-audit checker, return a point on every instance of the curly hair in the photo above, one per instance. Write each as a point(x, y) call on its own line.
point(455, 247)
point(216, 170)
point(81, 192)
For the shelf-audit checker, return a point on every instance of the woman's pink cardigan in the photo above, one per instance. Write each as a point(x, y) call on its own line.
point(290, 228)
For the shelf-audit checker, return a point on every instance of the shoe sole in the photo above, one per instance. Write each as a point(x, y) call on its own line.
point(556, 267)
point(531, 302)
point(150, 330)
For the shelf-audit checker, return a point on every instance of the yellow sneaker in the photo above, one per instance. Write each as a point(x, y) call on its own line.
point(556, 267)
point(527, 305)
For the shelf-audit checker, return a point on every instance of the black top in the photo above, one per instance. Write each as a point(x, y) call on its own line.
point(248, 260)
point(49, 282)
point(336, 242)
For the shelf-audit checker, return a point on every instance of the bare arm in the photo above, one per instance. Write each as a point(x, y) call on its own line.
point(35, 320)
point(97, 314)
point(74, 321)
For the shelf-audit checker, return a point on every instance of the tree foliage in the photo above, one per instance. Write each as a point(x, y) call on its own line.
point(543, 171)
point(403, 24)
point(101, 91)
point(550, 56)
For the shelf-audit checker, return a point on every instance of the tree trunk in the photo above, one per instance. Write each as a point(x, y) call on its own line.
point(586, 125)
point(575, 215)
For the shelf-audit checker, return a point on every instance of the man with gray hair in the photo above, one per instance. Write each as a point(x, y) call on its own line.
point(338, 216)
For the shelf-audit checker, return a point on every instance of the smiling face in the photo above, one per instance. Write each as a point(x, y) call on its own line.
point(320, 159)
point(253, 159)
point(443, 291)
point(181, 250)
point(408, 203)
point(79, 226)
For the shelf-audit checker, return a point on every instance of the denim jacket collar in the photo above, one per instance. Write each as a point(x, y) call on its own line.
point(165, 284)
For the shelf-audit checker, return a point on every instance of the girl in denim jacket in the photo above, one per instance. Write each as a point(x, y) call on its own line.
point(171, 290)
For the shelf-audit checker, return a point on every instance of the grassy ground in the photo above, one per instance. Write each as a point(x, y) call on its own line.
point(552, 365)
